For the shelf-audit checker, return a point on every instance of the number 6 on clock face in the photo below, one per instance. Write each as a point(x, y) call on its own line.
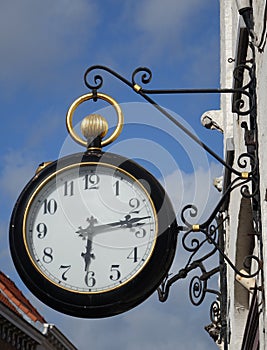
point(93, 235)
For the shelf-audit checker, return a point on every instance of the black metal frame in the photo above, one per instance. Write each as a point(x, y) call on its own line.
point(210, 232)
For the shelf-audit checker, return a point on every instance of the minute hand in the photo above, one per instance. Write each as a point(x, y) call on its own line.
point(128, 222)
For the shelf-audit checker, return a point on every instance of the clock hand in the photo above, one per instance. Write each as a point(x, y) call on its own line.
point(88, 255)
point(134, 220)
point(128, 222)
point(91, 230)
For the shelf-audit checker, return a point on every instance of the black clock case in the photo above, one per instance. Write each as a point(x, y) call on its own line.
point(121, 299)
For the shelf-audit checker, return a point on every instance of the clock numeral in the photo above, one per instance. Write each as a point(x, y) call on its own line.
point(115, 273)
point(117, 188)
point(134, 203)
point(68, 188)
point(50, 207)
point(48, 257)
point(66, 268)
point(89, 279)
point(140, 233)
point(91, 182)
point(42, 230)
point(133, 255)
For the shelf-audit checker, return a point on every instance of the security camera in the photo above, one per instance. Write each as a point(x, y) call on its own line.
point(218, 183)
point(212, 120)
point(248, 283)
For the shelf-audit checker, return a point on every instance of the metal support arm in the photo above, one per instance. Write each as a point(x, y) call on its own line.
point(202, 241)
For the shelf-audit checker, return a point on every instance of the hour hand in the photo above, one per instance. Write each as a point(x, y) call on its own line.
point(88, 255)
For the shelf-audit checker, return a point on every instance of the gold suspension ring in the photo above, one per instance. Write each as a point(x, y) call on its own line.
point(87, 97)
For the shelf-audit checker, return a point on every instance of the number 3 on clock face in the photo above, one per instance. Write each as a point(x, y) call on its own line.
point(85, 236)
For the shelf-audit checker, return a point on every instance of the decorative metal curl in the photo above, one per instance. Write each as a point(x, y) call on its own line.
point(245, 190)
point(211, 233)
point(215, 312)
point(247, 262)
point(212, 239)
point(247, 89)
point(98, 79)
point(239, 103)
point(193, 213)
point(242, 162)
point(195, 243)
point(198, 285)
point(145, 77)
point(216, 329)
point(239, 70)
point(197, 290)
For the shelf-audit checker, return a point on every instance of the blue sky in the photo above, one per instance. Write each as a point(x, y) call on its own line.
point(45, 49)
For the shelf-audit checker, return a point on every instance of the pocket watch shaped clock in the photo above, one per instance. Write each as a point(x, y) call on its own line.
point(93, 234)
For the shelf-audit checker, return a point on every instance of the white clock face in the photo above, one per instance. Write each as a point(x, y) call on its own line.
point(90, 228)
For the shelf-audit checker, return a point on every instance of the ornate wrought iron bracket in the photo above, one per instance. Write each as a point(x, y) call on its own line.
point(240, 105)
point(202, 241)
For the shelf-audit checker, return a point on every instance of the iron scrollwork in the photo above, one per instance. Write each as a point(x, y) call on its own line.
point(203, 241)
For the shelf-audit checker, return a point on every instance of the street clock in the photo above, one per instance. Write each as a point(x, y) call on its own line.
point(93, 234)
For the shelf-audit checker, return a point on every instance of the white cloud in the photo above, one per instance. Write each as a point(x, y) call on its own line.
point(38, 38)
point(165, 20)
point(195, 188)
point(152, 32)
point(17, 169)
point(48, 43)
point(152, 325)
point(163, 26)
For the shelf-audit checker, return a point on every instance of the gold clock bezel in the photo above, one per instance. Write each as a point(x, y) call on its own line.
point(55, 174)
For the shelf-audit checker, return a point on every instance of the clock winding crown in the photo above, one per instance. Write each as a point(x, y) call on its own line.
point(94, 128)
point(94, 125)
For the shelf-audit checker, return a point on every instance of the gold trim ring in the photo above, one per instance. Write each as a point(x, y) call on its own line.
point(87, 97)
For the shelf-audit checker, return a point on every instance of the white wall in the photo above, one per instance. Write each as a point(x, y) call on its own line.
point(261, 65)
point(230, 21)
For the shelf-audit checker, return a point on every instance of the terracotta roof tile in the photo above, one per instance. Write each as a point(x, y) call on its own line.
point(6, 302)
point(12, 297)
